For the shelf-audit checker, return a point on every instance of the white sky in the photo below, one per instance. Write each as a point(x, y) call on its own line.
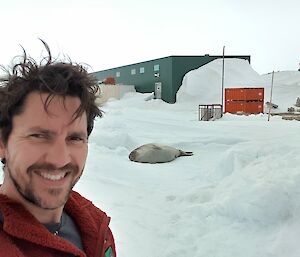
point(107, 34)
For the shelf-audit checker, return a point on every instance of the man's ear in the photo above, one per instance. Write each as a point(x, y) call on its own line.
point(2, 149)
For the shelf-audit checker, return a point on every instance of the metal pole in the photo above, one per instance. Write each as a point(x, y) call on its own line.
point(271, 96)
point(223, 65)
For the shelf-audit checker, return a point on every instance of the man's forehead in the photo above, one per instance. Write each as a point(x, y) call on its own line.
point(38, 107)
point(52, 103)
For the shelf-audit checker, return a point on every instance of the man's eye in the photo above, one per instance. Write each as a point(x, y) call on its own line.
point(77, 139)
point(37, 135)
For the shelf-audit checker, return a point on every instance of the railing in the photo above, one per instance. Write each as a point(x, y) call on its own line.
point(208, 112)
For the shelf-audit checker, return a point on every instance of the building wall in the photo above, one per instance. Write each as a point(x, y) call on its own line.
point(171, 72)
point(107, 92)
point(144, 77)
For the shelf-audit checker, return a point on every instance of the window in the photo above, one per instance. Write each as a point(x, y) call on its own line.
point(118, 74)
point(156, 67)
point(133, 71)
point(142, 70)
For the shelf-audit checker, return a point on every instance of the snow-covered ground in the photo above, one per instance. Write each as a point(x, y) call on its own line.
point(238, 195)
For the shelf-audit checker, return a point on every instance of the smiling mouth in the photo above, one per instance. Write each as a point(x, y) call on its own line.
point(52, 177)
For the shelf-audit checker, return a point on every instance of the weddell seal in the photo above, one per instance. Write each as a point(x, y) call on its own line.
point(156, 153)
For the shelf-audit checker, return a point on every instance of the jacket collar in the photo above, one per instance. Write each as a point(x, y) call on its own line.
point(20, 223)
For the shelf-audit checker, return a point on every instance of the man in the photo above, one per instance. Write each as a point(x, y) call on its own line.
point(47, 113)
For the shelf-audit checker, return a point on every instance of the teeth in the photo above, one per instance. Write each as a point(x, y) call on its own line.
point(52, 177)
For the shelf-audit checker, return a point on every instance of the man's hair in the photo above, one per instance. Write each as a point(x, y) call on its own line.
point(57, 78)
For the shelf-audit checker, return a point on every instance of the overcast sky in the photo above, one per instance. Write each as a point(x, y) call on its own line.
point(111, 33)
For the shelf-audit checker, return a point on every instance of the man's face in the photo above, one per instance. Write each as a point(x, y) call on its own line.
point(46, 151)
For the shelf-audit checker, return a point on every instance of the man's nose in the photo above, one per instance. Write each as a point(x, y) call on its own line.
point(58, 153)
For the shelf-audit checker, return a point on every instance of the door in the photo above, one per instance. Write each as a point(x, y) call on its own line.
point(157, 90)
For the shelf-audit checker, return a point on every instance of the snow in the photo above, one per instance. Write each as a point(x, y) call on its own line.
point(238, 195)
point(204, 85)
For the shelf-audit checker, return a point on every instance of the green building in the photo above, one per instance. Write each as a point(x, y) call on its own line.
point(162, 76)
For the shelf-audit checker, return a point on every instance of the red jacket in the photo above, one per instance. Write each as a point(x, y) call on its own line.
point(22, 235)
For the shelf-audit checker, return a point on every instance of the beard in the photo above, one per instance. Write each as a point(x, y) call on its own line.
point(28, 192)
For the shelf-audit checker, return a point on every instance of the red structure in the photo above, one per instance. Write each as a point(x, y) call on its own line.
point(109, 81)
point(244, 106)
point(245, 100)
point(244, 94)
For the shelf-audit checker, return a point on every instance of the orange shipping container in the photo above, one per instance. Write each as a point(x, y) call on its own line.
point(244, 94)
point(242, 106)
